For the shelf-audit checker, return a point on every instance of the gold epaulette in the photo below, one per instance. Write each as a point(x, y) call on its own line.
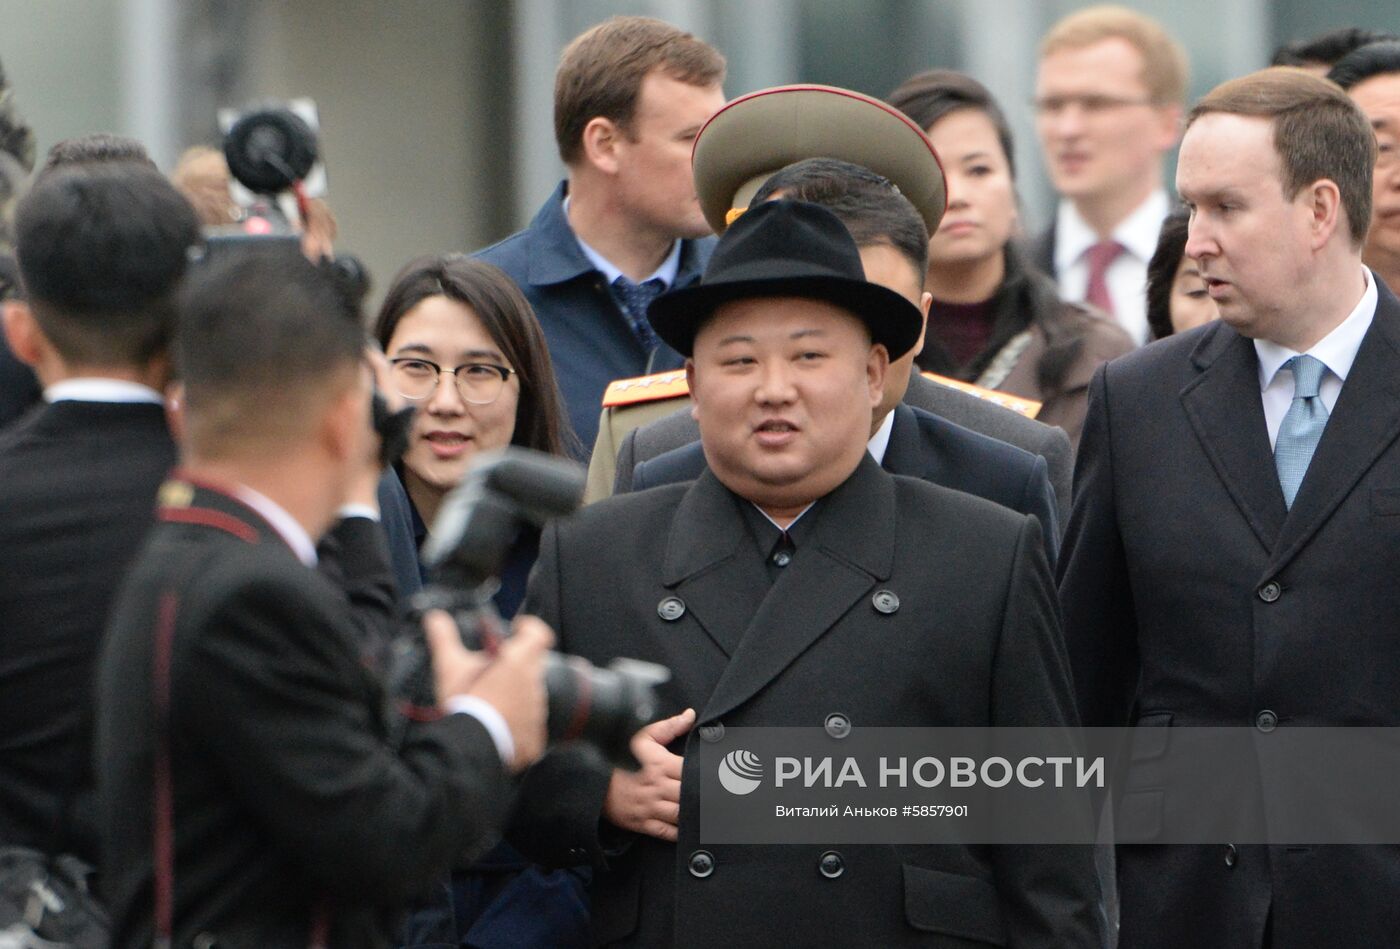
point(654, 388)
point(1021, 406)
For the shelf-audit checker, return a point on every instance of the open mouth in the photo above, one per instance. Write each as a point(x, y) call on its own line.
point(775, 432)
point(447, 444)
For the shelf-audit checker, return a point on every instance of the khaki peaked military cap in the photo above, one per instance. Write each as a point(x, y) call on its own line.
point(753, 137)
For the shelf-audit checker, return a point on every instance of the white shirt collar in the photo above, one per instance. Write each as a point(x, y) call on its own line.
point(93, 389)
point(666, 273)
point(880, 442)
point(283, 523)
point(776, 524)
point(1137, 232)
point(1337, 350)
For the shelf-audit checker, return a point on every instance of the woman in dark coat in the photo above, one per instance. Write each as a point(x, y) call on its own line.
point(995, 320)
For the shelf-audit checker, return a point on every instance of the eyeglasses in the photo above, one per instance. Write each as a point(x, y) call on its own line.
point(479, 383)
point(1051, 106)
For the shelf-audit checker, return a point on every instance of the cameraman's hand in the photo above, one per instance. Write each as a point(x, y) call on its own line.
point(512, 682)
point(648, 801)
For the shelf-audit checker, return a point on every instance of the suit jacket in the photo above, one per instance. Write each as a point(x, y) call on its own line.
point(972, 642)
point(77, 490)
point(922, 446)
point(289, 803)
point(590, 341)
point(957, 407)
point(1192, 596)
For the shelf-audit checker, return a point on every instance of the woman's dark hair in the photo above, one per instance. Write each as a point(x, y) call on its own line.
point(506, 314)
point(1161, 271)
point(1026, 295)
point(931, 95)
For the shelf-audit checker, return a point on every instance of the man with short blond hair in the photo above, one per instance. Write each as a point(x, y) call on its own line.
point(1249, 580)
point(1109, 94)
point(630, 96)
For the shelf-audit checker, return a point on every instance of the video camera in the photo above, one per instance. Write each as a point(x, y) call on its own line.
point(471, 538)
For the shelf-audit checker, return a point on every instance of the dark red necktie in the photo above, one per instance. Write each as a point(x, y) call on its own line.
point(1101, 255)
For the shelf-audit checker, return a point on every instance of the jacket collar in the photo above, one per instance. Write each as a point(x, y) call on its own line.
point(556, 257)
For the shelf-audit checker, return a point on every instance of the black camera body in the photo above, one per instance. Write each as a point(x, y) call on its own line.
point(472, 536)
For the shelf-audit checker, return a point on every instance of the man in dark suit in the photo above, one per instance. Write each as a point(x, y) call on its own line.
point(629, 97)
point(249, 793)
point(101, 251)
point(1232, 554)
point(894, 251)
point(754, 584)
point(859, 148)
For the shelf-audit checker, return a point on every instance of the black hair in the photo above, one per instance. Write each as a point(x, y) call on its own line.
point(869, 204)
point(1162, 268)
point(931, 95)
point(540, 418)
point(1327, 48)
point(101, 251)
point(1373, 59)
point(95, 149)
point(260, 326)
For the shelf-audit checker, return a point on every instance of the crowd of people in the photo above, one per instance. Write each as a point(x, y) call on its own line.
point(864, 450)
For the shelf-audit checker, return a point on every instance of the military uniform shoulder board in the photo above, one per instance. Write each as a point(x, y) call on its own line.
point(654, 388)
point(1021, 406)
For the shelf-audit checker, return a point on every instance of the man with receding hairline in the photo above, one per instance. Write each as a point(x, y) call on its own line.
point(1231, 558)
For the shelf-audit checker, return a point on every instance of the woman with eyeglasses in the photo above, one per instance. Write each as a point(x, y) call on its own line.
point(465, 348)
point(995, 320)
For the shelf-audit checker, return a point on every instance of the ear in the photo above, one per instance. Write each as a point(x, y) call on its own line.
point(175, 410)
point(877, 364)
point(345, 423)
point(1168, 126)
point(1324, 207)
point(690, 382)
point(22, 333)
point(601, 138)
point(925, 302)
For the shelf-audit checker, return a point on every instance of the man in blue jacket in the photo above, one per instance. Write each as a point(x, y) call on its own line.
point(630, 96)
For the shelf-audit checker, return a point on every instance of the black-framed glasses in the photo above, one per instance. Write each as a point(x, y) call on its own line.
point(479, 383)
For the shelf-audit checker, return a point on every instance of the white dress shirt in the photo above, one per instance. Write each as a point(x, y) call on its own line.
point(880, 442)
point(94, 389)
point(1337, 351)
point(1127, 275)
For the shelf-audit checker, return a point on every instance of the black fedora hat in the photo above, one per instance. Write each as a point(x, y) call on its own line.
point(787, 249)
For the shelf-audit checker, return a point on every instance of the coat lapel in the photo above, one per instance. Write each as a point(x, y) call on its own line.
point(702, 563)
point(904, 454)
point(1364, 423)
point(1224, 407)
point(852, 547)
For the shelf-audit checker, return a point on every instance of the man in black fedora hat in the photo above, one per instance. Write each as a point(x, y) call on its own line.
point(797, 583)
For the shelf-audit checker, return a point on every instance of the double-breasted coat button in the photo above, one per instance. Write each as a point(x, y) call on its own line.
point(205, 941)
point(831, 865)
point(671, 609)
point(782, 558)
point(712, 731)
point(1266, 721)
point(1270, 591)
point(1231, 855)
point(702, 864)
point(838, 725)
point(885, 601)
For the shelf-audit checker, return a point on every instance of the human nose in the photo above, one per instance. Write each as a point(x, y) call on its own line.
point(775, 385)
point(446, 400)
point(1200, 241)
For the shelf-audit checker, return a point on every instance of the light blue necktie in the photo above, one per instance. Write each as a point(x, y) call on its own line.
point(1302, 426)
